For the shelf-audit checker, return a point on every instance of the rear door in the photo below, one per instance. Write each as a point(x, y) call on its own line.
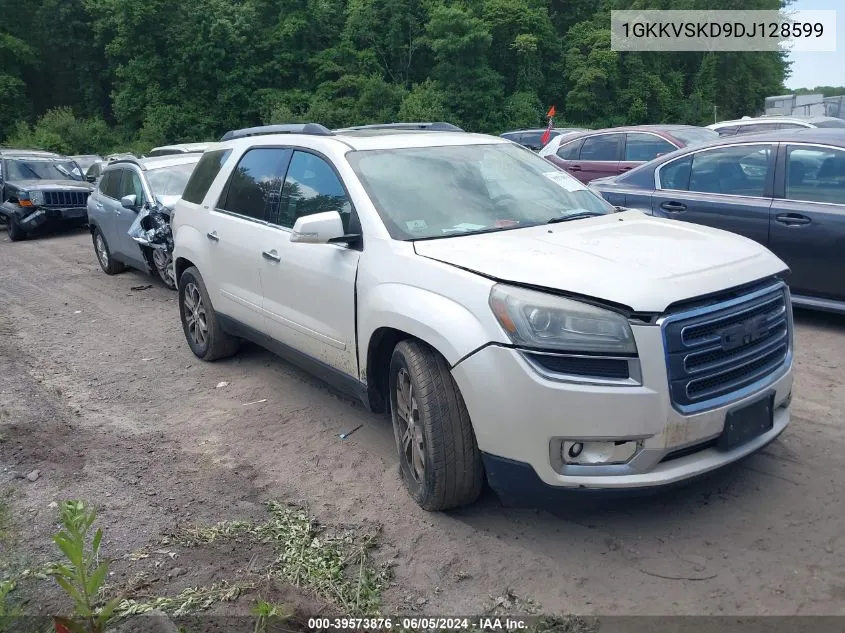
point(110, 185)
point(320, 324)
point(641, 147)
point(808, 218)
point(727, 188)
point(599, 157)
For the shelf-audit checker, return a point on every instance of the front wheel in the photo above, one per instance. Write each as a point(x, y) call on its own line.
point(438, 455)
point(16, 233)
point(164, 266)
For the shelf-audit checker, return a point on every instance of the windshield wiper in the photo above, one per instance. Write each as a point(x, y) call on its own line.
point(574, 216)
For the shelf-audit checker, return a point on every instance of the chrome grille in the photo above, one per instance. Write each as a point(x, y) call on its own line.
point(65, 198)
point(715, 351)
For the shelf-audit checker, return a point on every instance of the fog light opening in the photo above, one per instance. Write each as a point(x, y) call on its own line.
point(589, 453)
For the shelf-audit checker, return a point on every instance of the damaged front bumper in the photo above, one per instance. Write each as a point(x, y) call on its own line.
point(30, 219)
point(151, 229)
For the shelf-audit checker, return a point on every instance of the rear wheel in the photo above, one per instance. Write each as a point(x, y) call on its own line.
point(438, 455)
point(203, 331)
point(101, 248)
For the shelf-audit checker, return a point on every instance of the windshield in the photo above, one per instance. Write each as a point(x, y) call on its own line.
point(427, 192)
point(43, 169)
point(694, 135)
point(830, 123)
point(170, 181)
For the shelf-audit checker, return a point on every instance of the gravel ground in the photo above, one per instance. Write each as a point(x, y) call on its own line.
point(100, 393)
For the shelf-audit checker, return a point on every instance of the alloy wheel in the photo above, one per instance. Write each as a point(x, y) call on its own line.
point(195, 315)
point(102, 251)
point(410, 429)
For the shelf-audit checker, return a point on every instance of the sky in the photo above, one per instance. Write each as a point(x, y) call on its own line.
point(811, 69)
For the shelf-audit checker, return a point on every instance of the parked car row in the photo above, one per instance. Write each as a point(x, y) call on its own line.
point(465, 285)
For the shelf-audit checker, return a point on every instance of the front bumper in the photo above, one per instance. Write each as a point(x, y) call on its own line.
point(519, 417)
point(31, 219)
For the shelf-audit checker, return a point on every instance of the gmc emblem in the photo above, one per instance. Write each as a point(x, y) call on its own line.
point(743, 333)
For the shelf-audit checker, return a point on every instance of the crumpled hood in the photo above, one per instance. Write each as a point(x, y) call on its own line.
point(628, 258)
point(52, 185)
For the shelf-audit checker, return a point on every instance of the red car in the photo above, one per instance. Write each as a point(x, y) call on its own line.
point(598, 153)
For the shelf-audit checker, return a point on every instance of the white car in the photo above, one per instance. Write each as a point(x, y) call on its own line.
point(515, 325)
point(755, 125)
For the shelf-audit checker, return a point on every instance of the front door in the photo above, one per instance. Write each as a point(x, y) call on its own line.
point(808, 219)
point(309, 289)
point(725, 187)
point(130, 184)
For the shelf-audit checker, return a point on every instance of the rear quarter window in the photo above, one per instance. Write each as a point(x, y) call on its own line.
point(204, 174)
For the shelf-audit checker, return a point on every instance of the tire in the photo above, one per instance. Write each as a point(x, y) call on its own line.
point(109, 265)
point(452, 473)
point(163, 263)
point(206, 337)
point(16, 233)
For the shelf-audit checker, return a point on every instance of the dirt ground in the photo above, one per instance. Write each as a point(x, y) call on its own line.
point(99, 391)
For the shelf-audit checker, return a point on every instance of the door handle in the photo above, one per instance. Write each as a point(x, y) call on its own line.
point(628, 168)
point(273, 256)
point(792, 219)
point(673, 207)
point(213, 236)
point(575, 168)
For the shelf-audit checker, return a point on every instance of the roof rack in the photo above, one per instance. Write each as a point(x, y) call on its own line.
point(131, 161)
point(314, 129)
point(435, 126)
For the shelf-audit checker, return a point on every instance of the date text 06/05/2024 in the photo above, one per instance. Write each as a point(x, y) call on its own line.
point(418, 623)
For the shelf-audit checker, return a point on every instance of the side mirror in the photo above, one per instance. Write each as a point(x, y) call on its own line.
point(128, 202)
point(318, 228)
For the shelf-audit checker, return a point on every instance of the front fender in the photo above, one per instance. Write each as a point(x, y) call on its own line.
point(444, 324)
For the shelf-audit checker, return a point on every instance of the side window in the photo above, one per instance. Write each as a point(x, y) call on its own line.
point(131, 186)
point(791, 126)
point(311, 186)
point(815, 174)
point(110, 184)
point(644, 147)
point(739, 171)
point(603, 147)
point(204, 174)
point(676, 175)
point(570, 151)
point(728, 130)
point(255, 185)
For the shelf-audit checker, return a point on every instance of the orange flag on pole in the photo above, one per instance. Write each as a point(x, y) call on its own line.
point(551, 112)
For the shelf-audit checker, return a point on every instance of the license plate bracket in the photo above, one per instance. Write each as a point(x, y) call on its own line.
point(747, 422)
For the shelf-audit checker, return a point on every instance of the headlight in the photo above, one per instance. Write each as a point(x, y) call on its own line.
point(539, 320)
point(37, 197)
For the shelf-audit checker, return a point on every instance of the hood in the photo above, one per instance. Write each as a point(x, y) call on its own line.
point(628, 258)
point(52, 185)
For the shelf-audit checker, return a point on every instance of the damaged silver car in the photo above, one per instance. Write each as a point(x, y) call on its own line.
point(129, 213)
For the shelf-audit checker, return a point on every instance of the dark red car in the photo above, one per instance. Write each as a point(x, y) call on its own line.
point(609, 152)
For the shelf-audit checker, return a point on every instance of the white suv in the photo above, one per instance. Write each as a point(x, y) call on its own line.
point(514, 324)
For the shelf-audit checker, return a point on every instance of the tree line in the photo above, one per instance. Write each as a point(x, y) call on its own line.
point(94, 75)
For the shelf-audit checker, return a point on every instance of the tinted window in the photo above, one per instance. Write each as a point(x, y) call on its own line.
point(816, 174)
point(790, 126)
point(255, 186)
point(830, 123)
point(131, 186)
point(110, 184)
point(758, 127)
point(740, 171)
point(204, 174)
point(602, 147)
point(728, 130)
point(532, 140)
point(644, 147)
point(571, 150)
point(676, 175)
point(311, 186)
point(512, 136)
